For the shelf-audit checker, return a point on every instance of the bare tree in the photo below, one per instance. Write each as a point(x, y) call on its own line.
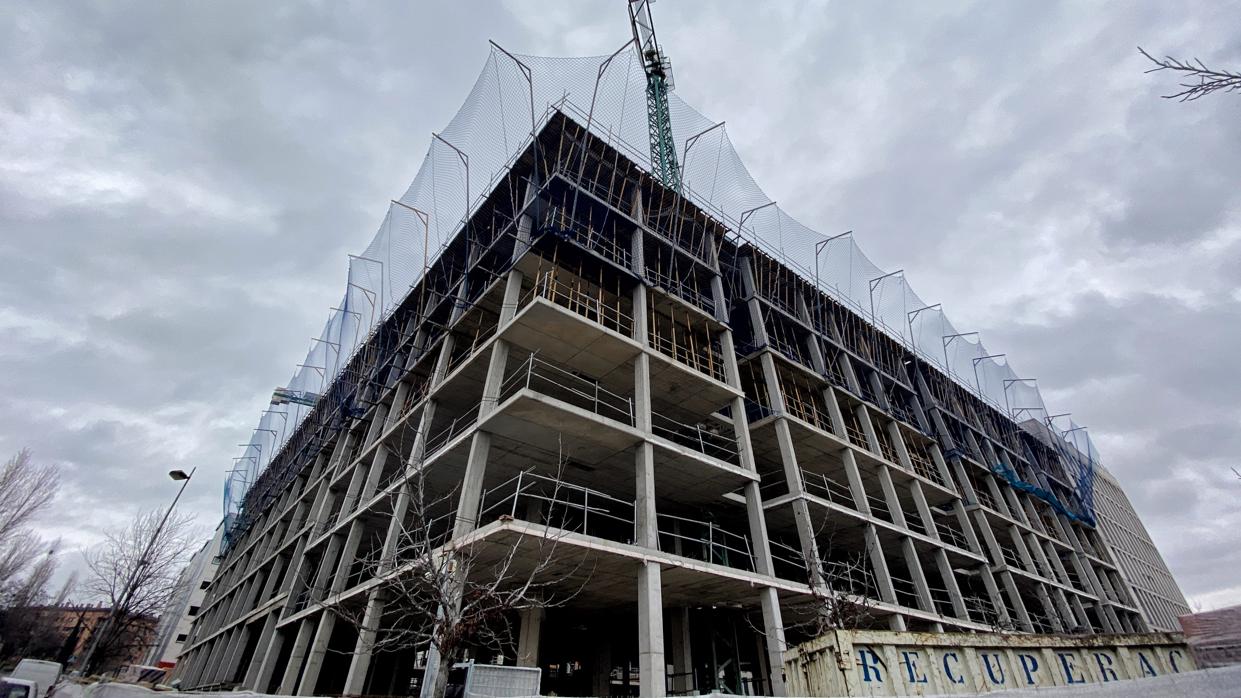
point(135, 576)
point(26, 490)
point(842, 595)
point(451, 594)
point(1197, 79)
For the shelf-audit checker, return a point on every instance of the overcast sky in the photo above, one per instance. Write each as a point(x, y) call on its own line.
point(180, 184)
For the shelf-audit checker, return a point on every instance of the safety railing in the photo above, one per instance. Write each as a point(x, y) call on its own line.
point(906, 592)
point(696, 437)
point(555, 503)
point(703, 356)
point(923, 465)
point(980, 608)
point(853, 577)
point(914, 523)
point(705, 541)
point(788, 562)
point(558, 221)
point(886, 449)
point(594, 304)
point(569, 507)
point(440, 438)
point(949, 534)
point(832, 490)
point(1011, 558)
point(464, 350)
point(788, 349)
point(879, 508)
point(942, 601)
point(853, 430)
point(551, 380)
point(680, 289)
point(807, 411)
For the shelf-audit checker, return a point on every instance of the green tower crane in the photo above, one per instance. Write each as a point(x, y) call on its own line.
point(658, 84)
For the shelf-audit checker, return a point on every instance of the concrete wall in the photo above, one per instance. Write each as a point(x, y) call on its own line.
point(882, 663)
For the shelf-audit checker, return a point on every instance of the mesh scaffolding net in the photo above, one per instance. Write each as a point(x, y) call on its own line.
point(511, 98)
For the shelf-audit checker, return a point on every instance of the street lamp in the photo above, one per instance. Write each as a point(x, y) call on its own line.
point(130, 584)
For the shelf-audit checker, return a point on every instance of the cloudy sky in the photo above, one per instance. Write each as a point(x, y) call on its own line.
point(180, 185)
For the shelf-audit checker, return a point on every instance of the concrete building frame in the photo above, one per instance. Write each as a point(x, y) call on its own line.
point(736, 421)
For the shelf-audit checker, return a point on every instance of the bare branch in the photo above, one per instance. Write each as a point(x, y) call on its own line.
point(1197, 79)
point(124, 560)
point(450, 595)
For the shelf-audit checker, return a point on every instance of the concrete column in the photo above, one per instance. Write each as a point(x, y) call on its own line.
point(360, 662)
point(267, 667)
point(220, 648)
point(1019, 606)
point(348, 554)
point(305, 631)
point(924, 509)
point(314, 659)
point(773, 629)
point(854, 475)
point(997, 598)
point(682, 654)
point(914, 564)
point(254, 674)
point(650, 594)
point(528, 639)
point(949, 578)
point(890, 496)
point(1079, 610)
point(651, 632)
point(602, 680)
point(883, 578)
point(868, 428)
point(472, 484)
point(1049, 609)
point(237, 643)
point(1066, 612)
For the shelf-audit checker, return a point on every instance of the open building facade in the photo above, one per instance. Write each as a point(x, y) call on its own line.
point(717, 437)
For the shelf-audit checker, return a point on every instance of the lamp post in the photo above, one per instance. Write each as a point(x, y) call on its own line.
point(131, 583)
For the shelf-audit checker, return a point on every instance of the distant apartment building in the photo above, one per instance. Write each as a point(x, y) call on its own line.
point(175, 623)
point(1141, 565)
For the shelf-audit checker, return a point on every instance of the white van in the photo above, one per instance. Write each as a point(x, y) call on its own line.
point(33, 678)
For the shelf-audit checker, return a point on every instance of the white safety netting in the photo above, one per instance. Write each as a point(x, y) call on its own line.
point(464, 161)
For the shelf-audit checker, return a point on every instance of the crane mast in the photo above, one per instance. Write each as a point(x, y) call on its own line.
point(658, 71)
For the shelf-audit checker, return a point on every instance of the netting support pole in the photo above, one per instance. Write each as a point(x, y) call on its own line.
point(874, 283)
point(949, 339)
point(818, 281)
point(1008, 383)
point(977, 383)
point(689, 142)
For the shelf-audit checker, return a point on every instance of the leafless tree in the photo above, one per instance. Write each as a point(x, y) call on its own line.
point(24, 631)
point(26, 490)
point(1197, 79)
point(136, 577)
point(843, 597)
point(452, 594)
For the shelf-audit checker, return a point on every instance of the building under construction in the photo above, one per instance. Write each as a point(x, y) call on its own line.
point(587, 350)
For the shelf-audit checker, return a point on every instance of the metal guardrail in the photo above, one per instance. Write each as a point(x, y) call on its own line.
point(694, 436)
point(551, 380)
point(710, 362)
point(563, 506)
point(596, 307)
point(833, 491)
point(704, 541)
